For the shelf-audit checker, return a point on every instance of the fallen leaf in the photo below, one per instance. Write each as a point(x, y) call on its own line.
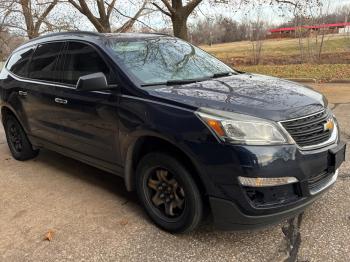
point(49, 235)
point(123, 222)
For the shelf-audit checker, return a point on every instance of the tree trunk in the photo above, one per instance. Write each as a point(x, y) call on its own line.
point(106, 26)
point(180, 27)
point(32, 34)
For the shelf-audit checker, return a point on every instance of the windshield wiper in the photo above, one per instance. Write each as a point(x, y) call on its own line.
point(189, 81)
point(178, 82)
point(222, 74)
point(185, 81)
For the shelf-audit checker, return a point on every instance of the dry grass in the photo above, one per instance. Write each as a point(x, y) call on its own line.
point(282, 51)
point(321, 73)
point(281, 57)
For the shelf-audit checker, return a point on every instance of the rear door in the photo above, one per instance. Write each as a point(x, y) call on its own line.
point(16, 84)
point(89, 120)
point(41, 91)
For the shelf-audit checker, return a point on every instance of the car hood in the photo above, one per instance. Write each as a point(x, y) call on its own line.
point(257, 95)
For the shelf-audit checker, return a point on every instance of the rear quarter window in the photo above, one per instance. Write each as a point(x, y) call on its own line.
point(18, 63)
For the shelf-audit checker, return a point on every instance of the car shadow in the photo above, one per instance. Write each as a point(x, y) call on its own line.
point(87, 174)
point(114, 184)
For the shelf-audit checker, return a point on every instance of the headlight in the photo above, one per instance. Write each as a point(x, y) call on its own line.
point(242, 129)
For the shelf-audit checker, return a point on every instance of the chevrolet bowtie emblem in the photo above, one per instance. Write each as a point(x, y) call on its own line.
point(329, 125)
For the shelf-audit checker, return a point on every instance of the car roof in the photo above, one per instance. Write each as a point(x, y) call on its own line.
point(93, 37)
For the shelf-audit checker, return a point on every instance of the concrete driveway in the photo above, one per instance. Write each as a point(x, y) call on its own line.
point(93, 218)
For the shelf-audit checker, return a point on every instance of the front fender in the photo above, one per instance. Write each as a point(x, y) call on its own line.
point(140, 118)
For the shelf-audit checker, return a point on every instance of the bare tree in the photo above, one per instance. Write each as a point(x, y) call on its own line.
point(311, 39)
point(34, 13)
point(180, 10)
point(178, 13)
point(257, 37)
point(105, 9)
point(33, 17)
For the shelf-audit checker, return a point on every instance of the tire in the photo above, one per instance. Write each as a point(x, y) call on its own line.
point(17, 140)
point(184, 211)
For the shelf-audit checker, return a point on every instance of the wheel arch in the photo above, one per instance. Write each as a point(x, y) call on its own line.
point(8, 110)
point(149, 143)
point(5, 111)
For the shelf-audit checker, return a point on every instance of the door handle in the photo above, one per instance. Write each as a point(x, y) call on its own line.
point(61, 101)
point(22, 93)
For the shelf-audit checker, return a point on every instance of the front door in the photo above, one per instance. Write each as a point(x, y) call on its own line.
point(89, 120)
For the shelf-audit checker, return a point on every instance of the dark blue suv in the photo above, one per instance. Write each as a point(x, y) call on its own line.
point(188, 133)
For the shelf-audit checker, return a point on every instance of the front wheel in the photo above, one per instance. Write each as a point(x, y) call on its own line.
point(168, 193)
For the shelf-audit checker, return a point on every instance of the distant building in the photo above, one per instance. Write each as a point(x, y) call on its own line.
point(306, 30)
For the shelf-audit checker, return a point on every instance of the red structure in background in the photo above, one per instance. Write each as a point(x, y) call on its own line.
point(290, 32)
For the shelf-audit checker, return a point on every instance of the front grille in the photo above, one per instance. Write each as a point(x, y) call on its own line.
point(309, 131)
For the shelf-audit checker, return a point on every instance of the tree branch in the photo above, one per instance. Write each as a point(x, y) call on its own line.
point(192, 5)
point(101, 9)
point(43, 16)
point(84, 9)
point(168, 6)
point(77, 6)
point(285, 2)
point(160, 9)
point(110, 8)
point(135, 19)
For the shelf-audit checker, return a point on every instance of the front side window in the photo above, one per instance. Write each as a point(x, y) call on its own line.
point(43, 65)
point(19, 61)
point(80, 60)
point(162, 59)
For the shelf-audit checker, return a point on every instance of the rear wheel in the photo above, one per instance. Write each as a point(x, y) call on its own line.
point(17, 140)
point(168, 193)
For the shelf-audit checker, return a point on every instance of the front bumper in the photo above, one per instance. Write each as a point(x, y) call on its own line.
point(228, 216)
point(236, 207)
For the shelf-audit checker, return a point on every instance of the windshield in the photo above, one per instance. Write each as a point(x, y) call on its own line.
point(162, 60)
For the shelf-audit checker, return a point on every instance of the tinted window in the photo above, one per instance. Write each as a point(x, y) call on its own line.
point(19, 61)
point(81, 60)
point(44, 61)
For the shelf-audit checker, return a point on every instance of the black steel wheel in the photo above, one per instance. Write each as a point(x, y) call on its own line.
point(165, 192)
point(17, 140)
point(169, 194)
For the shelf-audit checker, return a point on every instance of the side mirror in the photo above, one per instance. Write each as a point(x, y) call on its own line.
point(92, 82)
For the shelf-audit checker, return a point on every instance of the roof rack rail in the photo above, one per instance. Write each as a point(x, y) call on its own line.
point(155, 33)
point(68, 32)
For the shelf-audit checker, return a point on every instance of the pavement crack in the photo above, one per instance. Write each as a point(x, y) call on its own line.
point(292, 237)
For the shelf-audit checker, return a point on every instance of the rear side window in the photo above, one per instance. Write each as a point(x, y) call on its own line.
point(19, 61)
point(43, 65)
point(80, 60)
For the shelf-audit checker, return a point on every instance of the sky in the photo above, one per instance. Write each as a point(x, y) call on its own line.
point(267, 13)
point(273, 16)
point(203, 11)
